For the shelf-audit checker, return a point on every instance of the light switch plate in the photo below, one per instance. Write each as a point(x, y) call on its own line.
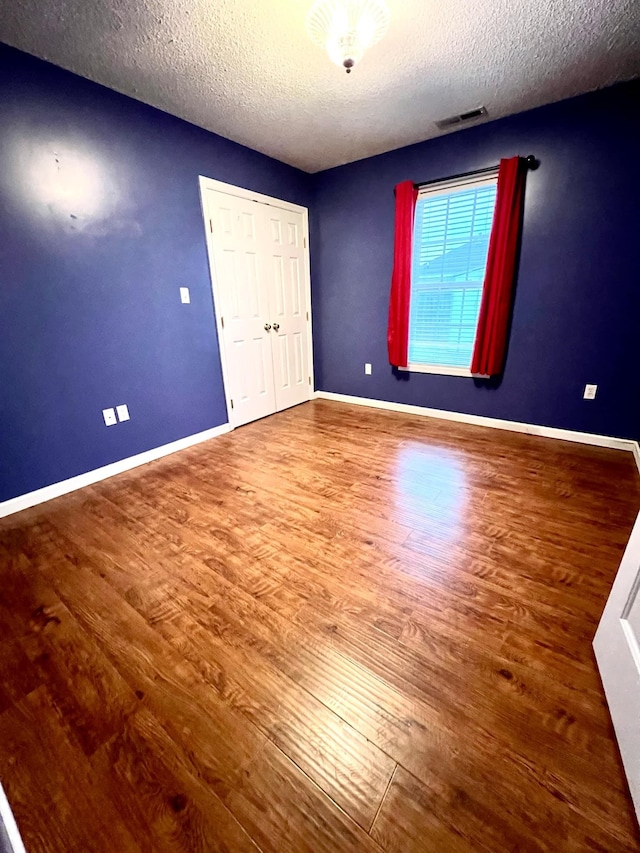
point(590, 392)
point(185, 298)
point(367, 369)
point(123, 413)
point(109, 416)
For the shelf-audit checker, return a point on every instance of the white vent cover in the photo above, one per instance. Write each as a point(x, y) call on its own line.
point(470, 115)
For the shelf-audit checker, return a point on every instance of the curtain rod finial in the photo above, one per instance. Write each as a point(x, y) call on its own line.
point(531, 162)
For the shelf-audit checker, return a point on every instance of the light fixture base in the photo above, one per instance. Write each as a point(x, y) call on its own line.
point(346, 28)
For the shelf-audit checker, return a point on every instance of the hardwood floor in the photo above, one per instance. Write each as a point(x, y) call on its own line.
point(338, 629)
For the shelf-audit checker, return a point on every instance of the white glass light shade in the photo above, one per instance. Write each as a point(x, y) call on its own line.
point(346, 28)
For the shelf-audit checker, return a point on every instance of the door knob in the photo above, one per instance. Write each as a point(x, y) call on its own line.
point(267, 327)
point(276, 326)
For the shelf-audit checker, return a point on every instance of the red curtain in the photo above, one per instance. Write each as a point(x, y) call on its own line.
point(398, 328)
point(499, 280)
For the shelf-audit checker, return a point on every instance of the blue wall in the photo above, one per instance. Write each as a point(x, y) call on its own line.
point(100, 225)
point(576, 314)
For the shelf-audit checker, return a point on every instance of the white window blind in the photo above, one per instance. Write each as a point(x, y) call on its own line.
point(450, 244)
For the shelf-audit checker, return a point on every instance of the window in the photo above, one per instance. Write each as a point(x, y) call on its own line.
point(450, 244)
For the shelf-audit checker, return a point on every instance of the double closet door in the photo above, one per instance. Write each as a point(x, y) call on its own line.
point(258, 266)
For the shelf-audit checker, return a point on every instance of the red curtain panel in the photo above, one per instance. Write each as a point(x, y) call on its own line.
point(493, 323)
point(398, 328)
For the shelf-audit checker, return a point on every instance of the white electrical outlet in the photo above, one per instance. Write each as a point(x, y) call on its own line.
point(123, 413)
point(367, 369)
point(109, 416)
point(590, 392)
point(185, 298)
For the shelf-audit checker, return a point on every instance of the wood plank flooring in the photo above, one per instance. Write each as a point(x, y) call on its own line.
point(337, 629)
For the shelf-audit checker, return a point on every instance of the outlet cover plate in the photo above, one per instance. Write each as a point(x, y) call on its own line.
point(123, 413)
point(367, 369)
point(590, 392)
point(185, 297)
point(109, 416)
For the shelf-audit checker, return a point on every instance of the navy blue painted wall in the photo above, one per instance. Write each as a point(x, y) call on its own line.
point(100, 225)
point(576, 314)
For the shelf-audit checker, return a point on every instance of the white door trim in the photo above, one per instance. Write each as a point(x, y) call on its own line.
point(241, 192)
point(8, 826)
point(618, 657)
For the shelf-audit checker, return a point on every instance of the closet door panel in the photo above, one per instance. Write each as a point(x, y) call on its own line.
point(287, 298)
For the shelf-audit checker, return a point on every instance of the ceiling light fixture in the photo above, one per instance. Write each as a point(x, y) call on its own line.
point(346, 28)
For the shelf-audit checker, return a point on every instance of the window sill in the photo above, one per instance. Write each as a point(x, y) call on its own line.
point(442, 369)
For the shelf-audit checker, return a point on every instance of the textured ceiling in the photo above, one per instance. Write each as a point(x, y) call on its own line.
point(247, 70)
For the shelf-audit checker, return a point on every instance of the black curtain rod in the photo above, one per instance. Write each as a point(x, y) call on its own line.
point(531, 162)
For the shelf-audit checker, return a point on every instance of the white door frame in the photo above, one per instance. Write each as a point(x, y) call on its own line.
point(618, 656)
point(241, 192)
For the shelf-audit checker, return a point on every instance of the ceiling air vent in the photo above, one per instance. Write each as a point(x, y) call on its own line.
point(452, 121)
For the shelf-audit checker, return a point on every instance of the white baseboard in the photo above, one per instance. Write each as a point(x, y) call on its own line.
point(495, 423)
point(82, 480)
point(65, 486)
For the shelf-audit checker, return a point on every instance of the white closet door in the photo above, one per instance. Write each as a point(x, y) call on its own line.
point(237, 226)
point(285, 259)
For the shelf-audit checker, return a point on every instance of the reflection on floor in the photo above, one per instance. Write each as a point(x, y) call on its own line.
point(337, 629)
